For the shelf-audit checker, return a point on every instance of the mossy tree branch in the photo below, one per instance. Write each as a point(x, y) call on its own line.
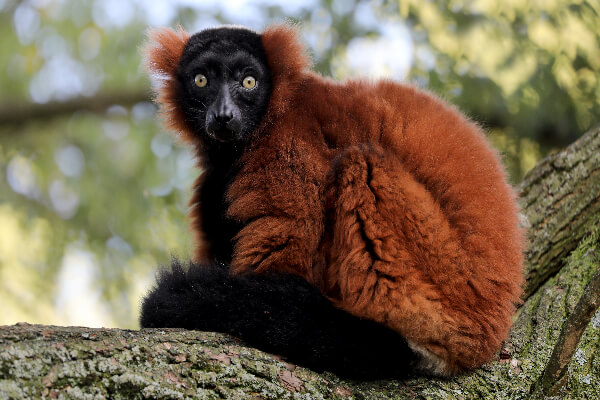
point(561, 207)
point(558, 197)
point(552, 378)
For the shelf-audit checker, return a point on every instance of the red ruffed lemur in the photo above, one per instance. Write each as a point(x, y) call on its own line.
point(362, 227)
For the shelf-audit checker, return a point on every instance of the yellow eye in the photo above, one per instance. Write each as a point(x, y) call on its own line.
point(200, 80)
point(249, 82)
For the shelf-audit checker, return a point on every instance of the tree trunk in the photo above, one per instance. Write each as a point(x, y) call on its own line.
point(561, 202)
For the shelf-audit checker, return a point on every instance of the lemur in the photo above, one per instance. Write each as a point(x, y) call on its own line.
point(362, 227)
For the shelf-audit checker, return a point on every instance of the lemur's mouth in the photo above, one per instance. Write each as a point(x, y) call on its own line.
point(224, 132)
point(223, 135)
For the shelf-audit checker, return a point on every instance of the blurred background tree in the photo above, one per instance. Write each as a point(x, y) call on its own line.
point(93, 192)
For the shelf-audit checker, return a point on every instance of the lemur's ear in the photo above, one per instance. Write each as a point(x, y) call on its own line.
point(164, 49)
point(288, 61)
point(162, 53)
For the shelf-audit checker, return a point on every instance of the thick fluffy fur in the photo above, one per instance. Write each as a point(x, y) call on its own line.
point(250, 307)
point(382, 196)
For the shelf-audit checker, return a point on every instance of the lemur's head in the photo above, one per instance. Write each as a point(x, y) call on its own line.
point(218, 85)
point(224, 83)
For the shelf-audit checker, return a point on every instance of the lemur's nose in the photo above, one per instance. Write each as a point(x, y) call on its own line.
point(224, 116)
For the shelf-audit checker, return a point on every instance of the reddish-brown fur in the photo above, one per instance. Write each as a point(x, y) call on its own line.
point(382, 195)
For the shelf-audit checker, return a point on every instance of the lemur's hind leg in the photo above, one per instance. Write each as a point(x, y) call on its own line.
point(395, 259)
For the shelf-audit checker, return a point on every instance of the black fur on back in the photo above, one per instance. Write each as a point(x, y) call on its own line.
point(281, 314)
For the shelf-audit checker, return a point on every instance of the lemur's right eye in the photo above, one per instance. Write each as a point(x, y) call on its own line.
point(200, 80)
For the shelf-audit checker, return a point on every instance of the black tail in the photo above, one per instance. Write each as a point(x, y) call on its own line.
point(281, 314)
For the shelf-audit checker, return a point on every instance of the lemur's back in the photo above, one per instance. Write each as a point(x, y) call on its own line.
point(420, 227)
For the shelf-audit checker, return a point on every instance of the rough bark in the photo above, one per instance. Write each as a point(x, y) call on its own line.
point(552, 379)
point(561, 202)
point(559, 197)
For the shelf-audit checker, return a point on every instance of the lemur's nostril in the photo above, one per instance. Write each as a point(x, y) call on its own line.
point(224, 117)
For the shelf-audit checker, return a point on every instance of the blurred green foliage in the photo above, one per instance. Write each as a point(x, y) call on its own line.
point(527, 70)
point(91, 202)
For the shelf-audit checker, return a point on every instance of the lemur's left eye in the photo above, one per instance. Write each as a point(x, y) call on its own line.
point(249, 82)
point(200, 80)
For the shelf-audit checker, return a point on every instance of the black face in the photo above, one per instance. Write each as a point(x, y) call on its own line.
point(224, 84)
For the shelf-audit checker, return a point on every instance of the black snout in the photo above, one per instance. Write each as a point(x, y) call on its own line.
point(223, 120)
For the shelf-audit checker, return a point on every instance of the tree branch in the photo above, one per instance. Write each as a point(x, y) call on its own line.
point(552, 378)
point(556, 198)
point(23, 113)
